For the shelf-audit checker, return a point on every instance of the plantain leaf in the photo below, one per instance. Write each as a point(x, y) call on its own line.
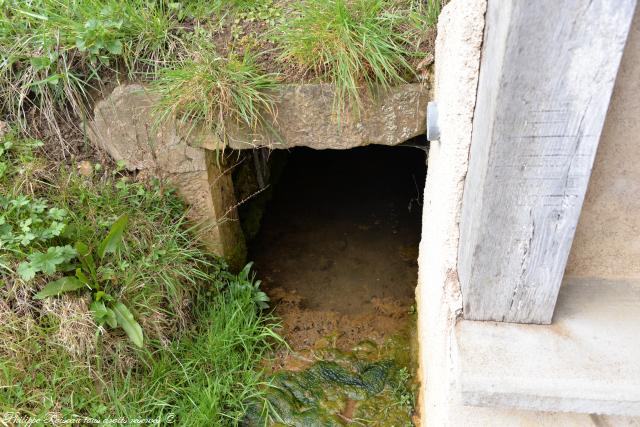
point(66, 284)
point(114, 237)
point(86, 259)
point(103, 314)
point(83, 278)
point(128, 323)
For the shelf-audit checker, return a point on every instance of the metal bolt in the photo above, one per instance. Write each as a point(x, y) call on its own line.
point(433, 128)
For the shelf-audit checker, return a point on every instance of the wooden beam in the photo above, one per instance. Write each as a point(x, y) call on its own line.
point(546, 77)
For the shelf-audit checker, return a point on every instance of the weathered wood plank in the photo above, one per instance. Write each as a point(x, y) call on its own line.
point(546, 77)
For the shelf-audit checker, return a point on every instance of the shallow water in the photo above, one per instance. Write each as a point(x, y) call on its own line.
point(337, 254)
point(341, 233)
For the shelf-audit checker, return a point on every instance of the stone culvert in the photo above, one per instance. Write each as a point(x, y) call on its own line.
point(124, 125)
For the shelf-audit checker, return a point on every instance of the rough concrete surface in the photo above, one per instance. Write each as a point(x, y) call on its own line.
point(607, 242)
point(460, 32)
point(123, 125)
point(305, 117)
point(588, 361)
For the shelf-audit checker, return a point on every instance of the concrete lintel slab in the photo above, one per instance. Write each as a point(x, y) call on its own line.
point(586, 361)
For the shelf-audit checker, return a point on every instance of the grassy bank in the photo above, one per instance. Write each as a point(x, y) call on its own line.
point(208, 59)
point(202, 329)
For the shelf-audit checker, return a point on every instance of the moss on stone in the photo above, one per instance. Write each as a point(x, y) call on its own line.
point(367, 385)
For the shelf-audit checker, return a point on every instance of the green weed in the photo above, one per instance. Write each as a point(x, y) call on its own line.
point(25, 221)
point(213, 91)
point(355, 44)
point(54, 55)
point(205, 331)
point(209, 377)
point(93, 273)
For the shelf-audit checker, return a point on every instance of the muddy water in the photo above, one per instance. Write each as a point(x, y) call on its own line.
point(339, 241)
point(337, 254)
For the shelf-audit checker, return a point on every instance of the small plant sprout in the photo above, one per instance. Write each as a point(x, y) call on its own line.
point(246, 280)
point(88, 275)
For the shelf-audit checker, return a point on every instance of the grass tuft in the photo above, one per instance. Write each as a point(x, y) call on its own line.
point(212, 91)
point(210, 377)
point(355, 44)
point(54, 55)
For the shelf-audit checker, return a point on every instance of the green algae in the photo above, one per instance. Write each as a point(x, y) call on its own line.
point(370, 385)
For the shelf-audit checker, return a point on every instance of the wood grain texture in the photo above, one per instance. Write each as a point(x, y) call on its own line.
point(546, 77)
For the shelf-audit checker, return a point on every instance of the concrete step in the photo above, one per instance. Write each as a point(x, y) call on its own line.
point(586, 361)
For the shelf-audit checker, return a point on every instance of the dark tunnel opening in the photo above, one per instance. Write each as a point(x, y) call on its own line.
point(342, 228)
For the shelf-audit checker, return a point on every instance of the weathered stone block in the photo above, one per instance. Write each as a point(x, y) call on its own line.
point(125, 127)
point(305, 117)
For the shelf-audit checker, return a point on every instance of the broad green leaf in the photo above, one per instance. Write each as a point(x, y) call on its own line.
point(86, 259)
point(103, 314)
point(115, 47)
point(40, 62)
point(81, 45)
point(114, 237)
point(26, 271)
point(38, 206)
point(54, 229)
point(57, 214)
point(66, 284)
point(112, 322)
point(128, 323)
point(244, 274)
point(55, 255)
point(26, 238)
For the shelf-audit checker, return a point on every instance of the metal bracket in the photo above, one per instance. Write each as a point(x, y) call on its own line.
point(433, 127)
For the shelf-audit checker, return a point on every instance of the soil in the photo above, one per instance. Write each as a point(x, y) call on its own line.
point(338, 247)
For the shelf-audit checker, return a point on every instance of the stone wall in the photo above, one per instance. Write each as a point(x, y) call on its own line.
point(125, 126)
point(305, 117)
